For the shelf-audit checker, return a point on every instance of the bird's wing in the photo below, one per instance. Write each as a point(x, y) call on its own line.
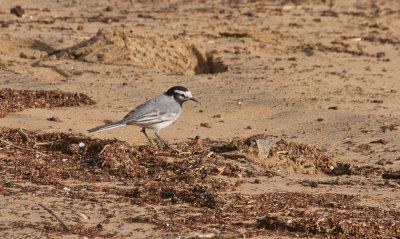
point(150, 112)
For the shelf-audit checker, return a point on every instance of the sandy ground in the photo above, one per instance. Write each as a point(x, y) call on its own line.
point(323, 73)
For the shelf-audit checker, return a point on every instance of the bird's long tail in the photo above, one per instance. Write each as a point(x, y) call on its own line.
point(107, 126)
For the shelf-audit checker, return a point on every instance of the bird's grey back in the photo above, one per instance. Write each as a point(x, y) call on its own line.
point(160, 105)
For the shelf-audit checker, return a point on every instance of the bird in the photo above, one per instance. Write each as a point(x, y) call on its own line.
point(156, 113)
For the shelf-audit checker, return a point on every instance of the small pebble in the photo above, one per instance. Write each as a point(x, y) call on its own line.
point(23, 55)
point(206, 125)
point(83, 216)
point(313, 184)
point(54, 118)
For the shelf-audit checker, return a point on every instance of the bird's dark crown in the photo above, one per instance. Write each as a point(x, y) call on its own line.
point(171, 91)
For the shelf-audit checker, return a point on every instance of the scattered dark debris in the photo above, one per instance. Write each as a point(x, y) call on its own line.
point(12, 100)
point(197, 178)
point(349, 169)
point(333, 108)
point(23, 55)
point(355, 13)
point(379, 141)
point(377, 101)
point(358, 222)
point(308, 183)
point(205, 125)
point(364, 147)
point(294, 24)
point(107, 159)
point(373, 38)
point(390, 127)
point(105, 19)
point(18, 11)
point(249, 14)
point(234, 34)
point(54, 118)
point(284, 156)
point(329, 13)
point(109, 9)
point(146, 16)
point(5, 23)
point(380, 54)
point(341, 48)
point(336, 181)
point(384, 162)
point(140, 219)
point(308, 50)
point(394, 175)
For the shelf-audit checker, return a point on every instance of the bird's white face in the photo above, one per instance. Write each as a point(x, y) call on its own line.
point(183, 95)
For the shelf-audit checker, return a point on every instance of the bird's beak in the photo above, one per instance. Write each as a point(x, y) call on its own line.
point(194, 100)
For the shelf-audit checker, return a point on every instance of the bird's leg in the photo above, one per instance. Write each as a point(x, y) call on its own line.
point(144, 132)
point(163, 141)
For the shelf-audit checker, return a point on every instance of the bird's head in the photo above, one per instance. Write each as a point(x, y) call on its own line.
point(180, 94)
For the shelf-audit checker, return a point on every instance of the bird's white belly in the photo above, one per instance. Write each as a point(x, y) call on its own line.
point(160, 125)
point(158, 122)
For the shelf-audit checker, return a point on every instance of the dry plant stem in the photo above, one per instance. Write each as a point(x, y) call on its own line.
point(56, 217)
point(104, 148)
point(18, 147)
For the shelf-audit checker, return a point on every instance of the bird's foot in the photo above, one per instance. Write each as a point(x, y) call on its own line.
point(164, 143)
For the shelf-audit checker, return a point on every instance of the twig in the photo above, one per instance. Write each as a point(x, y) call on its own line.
point(43, 143)
point(54, 215)
point(19, 147)
point(104, 148)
